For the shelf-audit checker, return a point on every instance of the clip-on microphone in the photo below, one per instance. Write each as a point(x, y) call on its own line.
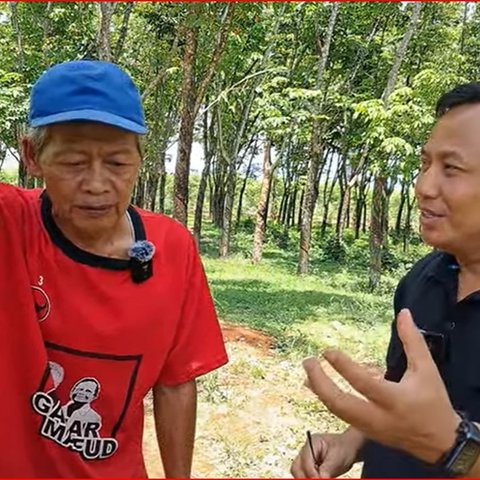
point(141, 265)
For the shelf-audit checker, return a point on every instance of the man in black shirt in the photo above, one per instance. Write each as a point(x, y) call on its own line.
point(420, 420)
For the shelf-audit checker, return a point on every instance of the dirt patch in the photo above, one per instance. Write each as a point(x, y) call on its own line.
point(254, 338)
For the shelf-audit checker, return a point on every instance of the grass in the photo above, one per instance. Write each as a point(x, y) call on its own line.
point(328, 308)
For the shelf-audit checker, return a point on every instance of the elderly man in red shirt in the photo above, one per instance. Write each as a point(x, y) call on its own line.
point(101, 302)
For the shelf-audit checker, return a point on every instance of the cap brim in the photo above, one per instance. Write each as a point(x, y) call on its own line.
point(90, 116)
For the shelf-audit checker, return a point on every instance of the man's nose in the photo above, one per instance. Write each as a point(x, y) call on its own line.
point(428, 183)
point(96, 179)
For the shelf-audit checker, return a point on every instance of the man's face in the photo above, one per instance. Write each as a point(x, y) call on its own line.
point(448, 187)
point(85, 392)
point(89, 171)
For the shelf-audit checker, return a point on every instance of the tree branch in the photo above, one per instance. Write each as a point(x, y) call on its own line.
point(220, 43)
point(123, 30)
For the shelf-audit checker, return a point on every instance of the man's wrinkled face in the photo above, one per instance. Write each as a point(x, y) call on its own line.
point(89, 171)
point(448, 186)
point(85, 392)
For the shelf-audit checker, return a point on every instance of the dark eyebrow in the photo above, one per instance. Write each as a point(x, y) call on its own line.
point(62, 150)
point(445, 153)
point(448, 153)
point(125, 149)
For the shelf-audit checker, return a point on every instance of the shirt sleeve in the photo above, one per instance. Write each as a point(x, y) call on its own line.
point(11, 217)
point(198, 345)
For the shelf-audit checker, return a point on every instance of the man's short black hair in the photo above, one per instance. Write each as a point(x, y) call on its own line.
point(468, 93)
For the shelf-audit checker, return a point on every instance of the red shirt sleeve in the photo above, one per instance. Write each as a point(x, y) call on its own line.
point(198, 346)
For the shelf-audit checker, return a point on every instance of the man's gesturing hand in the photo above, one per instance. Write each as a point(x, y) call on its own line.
point(414, 415)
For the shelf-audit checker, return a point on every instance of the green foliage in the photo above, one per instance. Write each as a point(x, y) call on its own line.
point(8, 177)
point(334, 249)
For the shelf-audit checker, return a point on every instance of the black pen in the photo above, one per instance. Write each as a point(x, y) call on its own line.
point(310, 442)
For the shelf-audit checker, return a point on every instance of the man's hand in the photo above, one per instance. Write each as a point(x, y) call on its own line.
point(335, 455)
point(414, 415)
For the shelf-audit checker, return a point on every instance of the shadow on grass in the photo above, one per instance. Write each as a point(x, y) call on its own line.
point(286, 259)
point(274, 310)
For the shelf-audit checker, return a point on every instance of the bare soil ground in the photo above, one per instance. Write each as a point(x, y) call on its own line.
point(253, 414)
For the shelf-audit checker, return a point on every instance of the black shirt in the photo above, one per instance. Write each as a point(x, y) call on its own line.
point(429, 290)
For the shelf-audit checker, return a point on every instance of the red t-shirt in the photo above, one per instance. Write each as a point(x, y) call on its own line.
point(82, 344)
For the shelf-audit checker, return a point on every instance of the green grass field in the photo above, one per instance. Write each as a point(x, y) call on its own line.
point(329, 308)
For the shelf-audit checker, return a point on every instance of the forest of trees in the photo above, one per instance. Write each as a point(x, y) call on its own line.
point(333, 98)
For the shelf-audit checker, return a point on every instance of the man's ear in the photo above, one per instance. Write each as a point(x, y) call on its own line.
point(30, 159)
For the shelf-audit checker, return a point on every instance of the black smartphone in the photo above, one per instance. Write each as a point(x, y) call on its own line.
point(437, 344)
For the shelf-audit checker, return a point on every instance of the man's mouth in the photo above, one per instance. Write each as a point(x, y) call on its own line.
point(428, 214)
point(94, 209)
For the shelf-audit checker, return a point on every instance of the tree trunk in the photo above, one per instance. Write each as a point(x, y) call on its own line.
point(187, 120)
point(224, 247)
point(235, 151)
point(316, 147)
point(244, 186)
point(364, 219)
point(227, 210)
point(104, 50)
point(17, 127)
point(46, 32)
point(400, 54)
point(300, 209)
point(464, 27)
point(292, 206)
point(378, 224)
point(407, 229)
point(271, 205)
point(122, 36)
point(361, 208)
point(218, 197)
point(152, 188)
point(161, 181)
point(342, 181)
point(18, 35)
point(376, 231)
point(202, 188)
point(161, 186)
point(325, 196)
point(348, 210)
point(283, 204)
point(358, 214)
point(192, 99)
point(342, 220)
point(398, 222)
point(385, 214)
point(22, 175)
point(262, 210)
point(139, 198)
point(350, 181)
point(353, 220)
point(328, 202)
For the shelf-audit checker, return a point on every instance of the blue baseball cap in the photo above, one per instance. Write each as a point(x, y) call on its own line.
point(88, 90)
